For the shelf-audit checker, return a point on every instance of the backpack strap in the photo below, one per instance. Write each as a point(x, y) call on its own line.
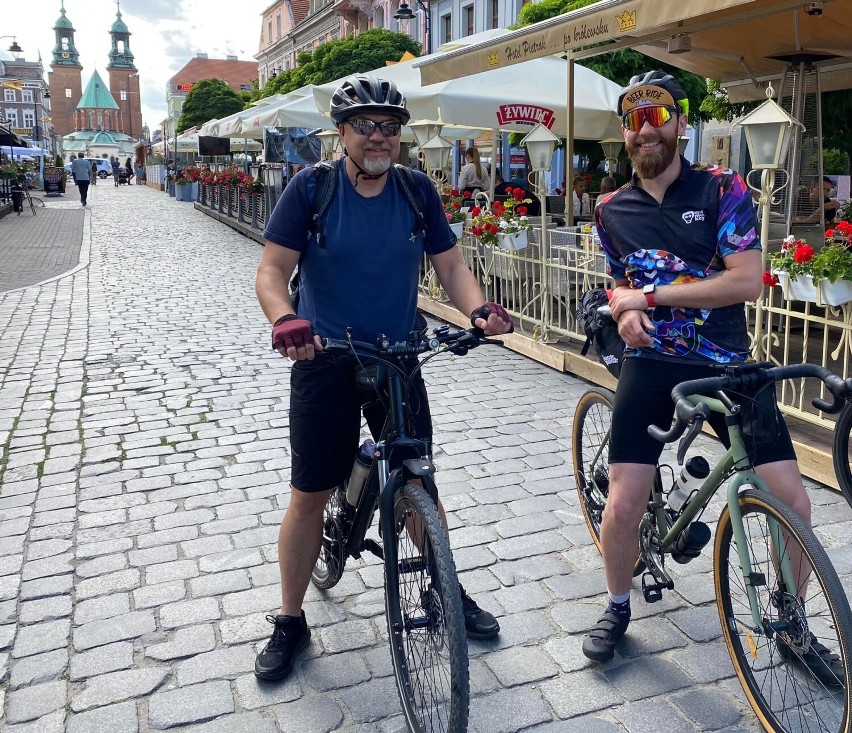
point(413, 194)
point(325, 181)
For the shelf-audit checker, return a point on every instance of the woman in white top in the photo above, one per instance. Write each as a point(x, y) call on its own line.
point(582, 206)
point(473, 175)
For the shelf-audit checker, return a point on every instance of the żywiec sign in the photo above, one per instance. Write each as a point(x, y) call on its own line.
point(524, 114)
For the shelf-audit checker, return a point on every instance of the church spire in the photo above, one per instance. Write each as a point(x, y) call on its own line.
point(64, 51)
point(120, 56)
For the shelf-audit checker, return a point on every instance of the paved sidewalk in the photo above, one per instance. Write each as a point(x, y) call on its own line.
point(36, 248)
point(144, 473)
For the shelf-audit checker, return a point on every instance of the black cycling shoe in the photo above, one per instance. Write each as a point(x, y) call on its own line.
point(290, 635)
point(478, 624)
point(599, 644)
point(826, 666)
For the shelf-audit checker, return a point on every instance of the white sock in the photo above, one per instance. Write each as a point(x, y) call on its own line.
point(623, 598)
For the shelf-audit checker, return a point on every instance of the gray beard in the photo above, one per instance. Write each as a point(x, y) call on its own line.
point(376, 166)
point(652, 165)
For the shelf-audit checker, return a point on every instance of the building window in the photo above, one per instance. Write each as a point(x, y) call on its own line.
point(123, 95)
point(278, 26)
point(468, 20)
point(68, 93)
point(446, 28)
point(269, 34)
point(27, 96)
point(8, 95)
point(29, 118)
point(495, 13)
point(12, 117)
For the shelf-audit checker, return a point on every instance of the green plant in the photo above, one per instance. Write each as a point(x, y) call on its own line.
point(452, 198)
point(509, 217)
point(796, 257)
point(833, 262)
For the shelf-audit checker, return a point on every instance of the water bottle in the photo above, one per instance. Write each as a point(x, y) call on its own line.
point(691, 477)
point(360, 469)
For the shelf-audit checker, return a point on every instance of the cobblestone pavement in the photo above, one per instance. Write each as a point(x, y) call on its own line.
point(144, 474)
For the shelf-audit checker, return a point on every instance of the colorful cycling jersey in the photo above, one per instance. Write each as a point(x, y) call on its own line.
point(706, 214)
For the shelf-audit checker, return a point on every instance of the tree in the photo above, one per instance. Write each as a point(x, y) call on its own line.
point(208, 99)
point(341, 57)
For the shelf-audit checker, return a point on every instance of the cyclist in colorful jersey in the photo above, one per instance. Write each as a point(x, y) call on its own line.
point(363, 273)
point(682, 246)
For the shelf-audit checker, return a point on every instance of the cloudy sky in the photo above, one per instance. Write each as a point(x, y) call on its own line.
point(165, 35)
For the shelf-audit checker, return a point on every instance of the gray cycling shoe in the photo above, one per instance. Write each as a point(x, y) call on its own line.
point(599, 644)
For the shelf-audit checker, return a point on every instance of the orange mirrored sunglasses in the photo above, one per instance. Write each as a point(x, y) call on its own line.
point(638, 116)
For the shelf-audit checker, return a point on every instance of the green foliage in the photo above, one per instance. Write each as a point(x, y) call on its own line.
point(207, 100)
point(341, 57)
point(832, 262)
point(835, 162)
point(535, 12)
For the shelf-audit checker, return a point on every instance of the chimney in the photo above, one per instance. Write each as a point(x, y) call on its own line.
point(201, 55)
point(231, 58)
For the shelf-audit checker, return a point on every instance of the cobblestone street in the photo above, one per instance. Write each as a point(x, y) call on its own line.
point(145, 471)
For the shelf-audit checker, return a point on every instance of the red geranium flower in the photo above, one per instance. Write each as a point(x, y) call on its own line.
point(769, 278)
point(518, 194)
point(522, 210)
point(454, 192)
point(804, 253)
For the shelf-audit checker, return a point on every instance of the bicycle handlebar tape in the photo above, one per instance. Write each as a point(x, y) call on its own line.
point(290, 330)
point(487, 309)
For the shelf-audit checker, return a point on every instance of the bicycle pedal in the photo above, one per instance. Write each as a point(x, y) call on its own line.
point(653, 591)
point(412, 565)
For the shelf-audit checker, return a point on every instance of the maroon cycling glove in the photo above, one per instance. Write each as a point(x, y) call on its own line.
point(290, 330)
point(486, 310)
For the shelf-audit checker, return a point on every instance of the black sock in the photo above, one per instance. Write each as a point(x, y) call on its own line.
point(619, 609)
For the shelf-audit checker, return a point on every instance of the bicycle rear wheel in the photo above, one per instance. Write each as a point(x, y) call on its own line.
point(590, 454)
point(784, 693)
point(332, 557)
point(427, 635)
point(842, 465)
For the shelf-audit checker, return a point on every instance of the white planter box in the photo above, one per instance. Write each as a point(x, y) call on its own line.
point(516, 241)
point(802, 288)
point(458, 229)
point(834, 293)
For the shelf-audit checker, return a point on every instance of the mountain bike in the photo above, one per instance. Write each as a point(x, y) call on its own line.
point(840, 453)
point(776, 590)
point(422, 600)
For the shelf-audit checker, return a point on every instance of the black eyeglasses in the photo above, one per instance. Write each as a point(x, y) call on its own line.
point(389, 128)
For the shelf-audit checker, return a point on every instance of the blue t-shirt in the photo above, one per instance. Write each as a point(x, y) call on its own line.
point(366, 273)
point(706, 215)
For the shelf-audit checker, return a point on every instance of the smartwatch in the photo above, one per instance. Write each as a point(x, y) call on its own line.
point(648, 291)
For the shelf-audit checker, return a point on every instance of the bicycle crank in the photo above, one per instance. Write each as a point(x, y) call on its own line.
point(655, 579)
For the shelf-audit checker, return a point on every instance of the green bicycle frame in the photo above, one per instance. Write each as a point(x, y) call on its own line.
point(735, 460)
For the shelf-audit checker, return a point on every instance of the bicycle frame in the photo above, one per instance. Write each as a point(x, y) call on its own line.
point(735, 460)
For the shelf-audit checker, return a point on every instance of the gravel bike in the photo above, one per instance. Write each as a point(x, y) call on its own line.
point(422, 600)
point(776, 590)
point(840, 453)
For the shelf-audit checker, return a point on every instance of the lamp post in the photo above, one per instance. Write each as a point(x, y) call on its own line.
point(38, 135)
point(14, 48)
point(611, 149)
point(768, 131)
point(404, 12)
point(540, 144)
point(437, 152)
point(329, 140)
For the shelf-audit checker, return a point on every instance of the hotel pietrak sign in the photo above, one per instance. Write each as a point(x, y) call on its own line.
point(579, 29)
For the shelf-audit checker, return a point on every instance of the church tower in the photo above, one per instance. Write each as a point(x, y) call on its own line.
point(124, 79)
point(65, 77)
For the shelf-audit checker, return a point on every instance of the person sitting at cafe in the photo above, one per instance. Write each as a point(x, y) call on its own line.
point(830, 206)
point(580, 198)
point(608, 185)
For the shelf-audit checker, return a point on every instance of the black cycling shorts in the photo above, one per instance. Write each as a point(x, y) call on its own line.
point(644, 397)
point(326, 402)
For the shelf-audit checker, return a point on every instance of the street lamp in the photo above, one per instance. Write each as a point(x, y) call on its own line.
point(768, 130)
point(329, 140)
point(612, 149)
point(14, 48)
point(437, 152)
point(405, 13)
point(540, 144)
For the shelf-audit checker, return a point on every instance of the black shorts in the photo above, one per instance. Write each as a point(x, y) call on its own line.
point(644, 397)
point(327, 397)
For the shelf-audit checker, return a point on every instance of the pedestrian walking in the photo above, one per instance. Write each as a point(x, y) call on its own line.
point(93, 174)
point(116, 169)
point(81, 172)
point(128, 166)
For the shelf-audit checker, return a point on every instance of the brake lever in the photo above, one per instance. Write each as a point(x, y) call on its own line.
point(686, 440)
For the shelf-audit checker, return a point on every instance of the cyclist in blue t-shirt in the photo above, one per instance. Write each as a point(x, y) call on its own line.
point(363, 272)
point(682, 246)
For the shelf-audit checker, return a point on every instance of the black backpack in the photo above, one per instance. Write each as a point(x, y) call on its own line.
point(600, 330)
point(325, 181)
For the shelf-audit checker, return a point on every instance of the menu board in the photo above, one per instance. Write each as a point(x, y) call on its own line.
point(54, 180)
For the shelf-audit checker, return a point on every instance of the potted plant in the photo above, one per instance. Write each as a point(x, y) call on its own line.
point(823, 277)
point(451, 199)
point(505, 223)
point(185, 180)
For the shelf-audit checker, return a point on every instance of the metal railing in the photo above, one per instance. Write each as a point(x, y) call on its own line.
point(541, 286)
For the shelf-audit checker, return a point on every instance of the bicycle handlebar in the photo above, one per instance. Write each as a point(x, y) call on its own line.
point(459, 342)
point(689, 415)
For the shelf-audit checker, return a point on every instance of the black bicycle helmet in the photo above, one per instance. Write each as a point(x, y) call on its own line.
point(365, 94)
point(653, 87)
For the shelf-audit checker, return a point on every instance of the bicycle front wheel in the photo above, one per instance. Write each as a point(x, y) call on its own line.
point(427, 635)
point(590, 454)
point(842, 466)
point(783, 679)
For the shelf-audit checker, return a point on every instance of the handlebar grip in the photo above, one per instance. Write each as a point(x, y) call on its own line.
point(685, 415)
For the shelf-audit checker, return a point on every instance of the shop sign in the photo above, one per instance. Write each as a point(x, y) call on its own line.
point(525, 114)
